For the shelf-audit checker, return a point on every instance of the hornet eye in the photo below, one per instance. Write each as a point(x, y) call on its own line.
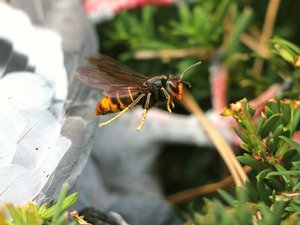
point(173, 87)
point(173, 83)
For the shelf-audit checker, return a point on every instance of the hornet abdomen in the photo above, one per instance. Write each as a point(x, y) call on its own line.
point(112, 104)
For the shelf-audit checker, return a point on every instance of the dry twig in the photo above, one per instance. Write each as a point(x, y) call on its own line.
point(202, 190)
point(218, 140)
point(167, 54)
point(266, 33)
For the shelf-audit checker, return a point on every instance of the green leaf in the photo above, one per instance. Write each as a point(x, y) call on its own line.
point(31, 214)
point(147, 18)
point(296, 164)
point(62, 219)
point(248, 160)
point(272, 145)
point(285, 173)
point(272, 215)
point(241, 135)
point(184, 14)
point(272, 108)
point(220, 13)
point(253, 194)
point(251, 110)
point(260, 123)
point(15, 214)
point(263, 174)
point(285, 52)
point(277, 184)
point(42, 210)
point(292, 143)
point(263, 189)
point(288, 179)
point(63, 203)
point(246, 147)
point(286, 117)
point(227, 197)
point(296, 186)
point(70, 200)
point(288, 156)
point(295, 121)
point(58, 210)
point(73, 223)
point(287, 44)
point(270, 124)
point(241, 24)
point(278, 131)
point(67, 203)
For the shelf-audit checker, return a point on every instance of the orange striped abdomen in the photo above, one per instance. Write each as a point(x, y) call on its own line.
point(109, 105)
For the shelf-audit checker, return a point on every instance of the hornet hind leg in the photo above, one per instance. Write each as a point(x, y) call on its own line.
point(146, 108)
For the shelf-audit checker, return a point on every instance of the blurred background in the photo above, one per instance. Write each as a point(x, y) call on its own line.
point(240, 36)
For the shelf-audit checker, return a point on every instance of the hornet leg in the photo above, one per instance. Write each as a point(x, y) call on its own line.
point(169, 100)
point(146, 108)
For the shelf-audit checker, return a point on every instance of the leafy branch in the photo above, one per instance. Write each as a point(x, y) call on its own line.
point(32, 214)
point(272, 195)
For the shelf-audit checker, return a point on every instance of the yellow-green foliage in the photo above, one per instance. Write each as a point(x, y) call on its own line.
point(32, 214)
